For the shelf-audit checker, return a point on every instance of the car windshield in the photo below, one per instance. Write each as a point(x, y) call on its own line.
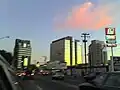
point(66, 39)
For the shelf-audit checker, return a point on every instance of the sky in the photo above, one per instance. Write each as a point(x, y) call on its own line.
point(42, 21)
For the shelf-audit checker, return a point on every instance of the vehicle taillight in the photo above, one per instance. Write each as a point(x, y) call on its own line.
point(24, 73)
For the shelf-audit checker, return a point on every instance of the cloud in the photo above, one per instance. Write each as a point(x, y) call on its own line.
point(88, 16)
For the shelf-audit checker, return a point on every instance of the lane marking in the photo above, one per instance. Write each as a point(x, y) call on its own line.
point(39, 87)
point(65, 84)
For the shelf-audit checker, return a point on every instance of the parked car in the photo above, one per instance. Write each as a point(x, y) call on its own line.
point(104, 81)
point(58, 75)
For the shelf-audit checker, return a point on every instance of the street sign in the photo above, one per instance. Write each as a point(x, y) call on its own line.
point(110, 31)
point(111, 41)
point(111, 45)
point(110, 37)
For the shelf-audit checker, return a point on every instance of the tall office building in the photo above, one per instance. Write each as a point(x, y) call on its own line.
point(66, 50)
point(22, 53)
point(97, 55)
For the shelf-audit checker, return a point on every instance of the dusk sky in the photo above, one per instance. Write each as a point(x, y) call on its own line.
point(42, 21)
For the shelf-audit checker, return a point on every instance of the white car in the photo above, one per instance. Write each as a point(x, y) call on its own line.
point(58, 75)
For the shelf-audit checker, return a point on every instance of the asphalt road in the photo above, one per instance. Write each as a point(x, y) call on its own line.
point(46, 83)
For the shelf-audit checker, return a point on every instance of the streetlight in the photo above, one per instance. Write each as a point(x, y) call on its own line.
point(5, 37)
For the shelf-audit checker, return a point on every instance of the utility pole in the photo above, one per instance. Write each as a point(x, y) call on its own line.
point(85, 36)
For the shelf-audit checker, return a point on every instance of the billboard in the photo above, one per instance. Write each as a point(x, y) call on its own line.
point(116, 61)
point(25, 62)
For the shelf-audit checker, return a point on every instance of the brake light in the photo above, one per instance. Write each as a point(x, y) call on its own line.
point(24, 73)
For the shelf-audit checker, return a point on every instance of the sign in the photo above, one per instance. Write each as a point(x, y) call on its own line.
point(111, 45)
point(110, 37)
point(110, 31)
point(25, 62)
point(111, 41)
point(116, 60)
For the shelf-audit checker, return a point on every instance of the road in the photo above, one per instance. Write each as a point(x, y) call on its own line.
point(46, 83)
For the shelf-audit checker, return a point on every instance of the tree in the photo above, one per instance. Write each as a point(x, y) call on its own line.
point(7, 55)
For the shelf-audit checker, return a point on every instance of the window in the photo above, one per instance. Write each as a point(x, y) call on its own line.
point(28, 45)
point(2, 85)
point(113, 80)
point(24, 45)
point(20, 44)
point(4, 79)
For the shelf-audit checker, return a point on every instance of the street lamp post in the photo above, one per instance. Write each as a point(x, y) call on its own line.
point(5, 37)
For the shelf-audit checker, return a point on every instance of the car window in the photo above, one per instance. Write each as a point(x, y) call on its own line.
point(100, 78)
point(113, 80)
point(5, 79)
point(2, 85)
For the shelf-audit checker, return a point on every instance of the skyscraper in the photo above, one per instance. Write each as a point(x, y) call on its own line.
point(66, 50)
point(22, 53)
point(97, 55)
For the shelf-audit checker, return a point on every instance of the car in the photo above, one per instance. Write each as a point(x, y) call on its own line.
point(28, 75)
point(58, 75)
point(104, 81)
point(91, 76)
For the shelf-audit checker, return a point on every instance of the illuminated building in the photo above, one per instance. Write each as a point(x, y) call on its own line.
point(22, 54)
point(66, 50)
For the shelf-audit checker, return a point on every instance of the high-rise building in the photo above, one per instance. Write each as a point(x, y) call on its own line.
point(97, 53)
point(22, 53)
point(66, 50)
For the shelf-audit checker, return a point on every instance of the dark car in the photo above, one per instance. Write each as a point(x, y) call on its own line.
point(91, 76)
point(104, 81)
point(58, 75)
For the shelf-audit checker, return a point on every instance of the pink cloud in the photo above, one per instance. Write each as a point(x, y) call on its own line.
point(87, 17)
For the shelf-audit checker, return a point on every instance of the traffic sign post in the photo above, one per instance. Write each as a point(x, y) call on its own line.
point(110, 36)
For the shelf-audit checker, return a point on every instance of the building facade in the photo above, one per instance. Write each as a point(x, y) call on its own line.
point(97, 55)
point(22, 53)
point(66, 50)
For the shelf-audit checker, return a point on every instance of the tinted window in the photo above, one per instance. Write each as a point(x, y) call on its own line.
point(113, 80)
